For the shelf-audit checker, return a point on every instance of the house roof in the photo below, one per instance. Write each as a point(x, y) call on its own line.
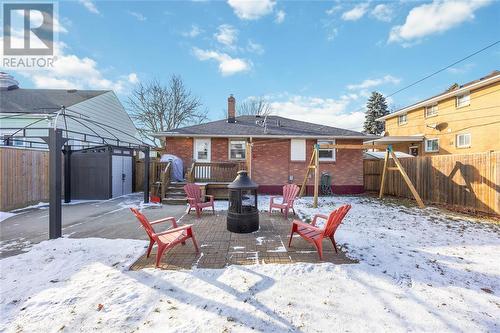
point(42, 100)
point(253, 126)
point(453, 91)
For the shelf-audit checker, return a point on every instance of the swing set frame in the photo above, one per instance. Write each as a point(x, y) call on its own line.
point(313, 166)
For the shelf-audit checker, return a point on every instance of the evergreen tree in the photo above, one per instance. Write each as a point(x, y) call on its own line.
point(375, 107)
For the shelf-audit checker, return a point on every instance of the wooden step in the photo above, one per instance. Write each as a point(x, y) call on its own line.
point(174, 201)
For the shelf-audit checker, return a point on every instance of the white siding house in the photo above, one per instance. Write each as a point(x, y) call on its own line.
point(95, 113)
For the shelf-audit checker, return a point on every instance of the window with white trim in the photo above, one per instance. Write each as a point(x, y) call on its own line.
point(326, 154)
point(431, 110)
point(463, 100)
point(463, 140)
point(237, 149)
point(432, 145)
point(402, 119)
point(297, 149)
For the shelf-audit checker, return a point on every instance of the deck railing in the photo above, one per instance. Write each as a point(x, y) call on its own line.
point(214, 171)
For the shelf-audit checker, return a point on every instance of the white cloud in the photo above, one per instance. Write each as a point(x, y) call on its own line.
point(253, 9)
point(138, 16)
point(227, 64)
point(226, 35)
point(332, 33)
point(356, 13)
point(90, 6)
point(383, 12)
point(324, 111)
point(280, 16)
point(434, 17)
point(254, 47)
point(370, 83)
point(195, 31)
point(461, 69)
point(133, 78)
point(72, 72)
point(333, 10)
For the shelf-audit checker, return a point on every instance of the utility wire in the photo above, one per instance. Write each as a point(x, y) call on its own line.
point(445, 68)
point(438, 71)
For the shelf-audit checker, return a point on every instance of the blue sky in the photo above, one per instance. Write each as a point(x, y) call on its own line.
point(314, 61)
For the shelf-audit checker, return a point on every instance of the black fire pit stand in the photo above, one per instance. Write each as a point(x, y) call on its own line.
point(243, 213)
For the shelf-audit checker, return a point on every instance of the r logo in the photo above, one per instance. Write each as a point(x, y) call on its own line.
point(28, 29)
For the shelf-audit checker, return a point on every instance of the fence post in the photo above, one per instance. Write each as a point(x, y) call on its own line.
point(146, 175)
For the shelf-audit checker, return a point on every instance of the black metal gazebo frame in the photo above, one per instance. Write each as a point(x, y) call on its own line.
point(58, 140)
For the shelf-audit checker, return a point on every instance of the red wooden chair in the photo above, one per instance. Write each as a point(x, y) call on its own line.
point(315, 235)
point(290, 192)
point(166, 239)
point(193, 193)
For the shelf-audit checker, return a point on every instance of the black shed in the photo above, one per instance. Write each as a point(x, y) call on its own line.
point(101, 172)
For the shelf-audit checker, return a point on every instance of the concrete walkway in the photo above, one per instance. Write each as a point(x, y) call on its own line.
point(104, 219)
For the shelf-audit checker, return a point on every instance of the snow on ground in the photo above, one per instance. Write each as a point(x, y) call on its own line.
point(418, 270)
point(6, 215)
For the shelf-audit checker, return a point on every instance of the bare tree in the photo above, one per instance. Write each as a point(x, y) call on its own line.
point(253, 107)
point(155, 107)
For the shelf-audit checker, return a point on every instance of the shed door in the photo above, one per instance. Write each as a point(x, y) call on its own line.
point(127, 171)
point(116, 175)
point(121, 175)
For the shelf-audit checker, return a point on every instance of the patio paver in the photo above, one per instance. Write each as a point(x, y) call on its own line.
point(220, 248)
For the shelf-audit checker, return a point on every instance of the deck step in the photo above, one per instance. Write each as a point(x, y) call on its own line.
point(174, 201)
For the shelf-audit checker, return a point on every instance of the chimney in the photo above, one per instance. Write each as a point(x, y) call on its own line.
point(231, 109)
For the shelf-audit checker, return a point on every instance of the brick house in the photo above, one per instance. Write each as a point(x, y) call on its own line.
point(280, 149)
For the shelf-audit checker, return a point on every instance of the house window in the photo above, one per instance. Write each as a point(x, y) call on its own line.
point(431, 111)
point(463, 100)
point(431, 145)
point(402, 119)
point(237, 149)
point(463, 140)
point(326, 154)
point(297, 150)
point(202, 150)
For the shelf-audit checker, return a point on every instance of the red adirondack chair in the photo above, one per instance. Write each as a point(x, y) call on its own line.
point(193, 193)
point(315, 235)
point(290, 192)
point(166, 239)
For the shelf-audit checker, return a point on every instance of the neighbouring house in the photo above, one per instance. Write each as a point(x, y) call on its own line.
point(280, 149)
point(463, 119)
point(38, 108)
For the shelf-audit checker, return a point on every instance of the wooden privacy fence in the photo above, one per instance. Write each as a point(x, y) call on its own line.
point(154, 173)
point(469, 181)
point(24, 177)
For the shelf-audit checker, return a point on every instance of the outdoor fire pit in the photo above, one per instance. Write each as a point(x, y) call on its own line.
point(243, 213)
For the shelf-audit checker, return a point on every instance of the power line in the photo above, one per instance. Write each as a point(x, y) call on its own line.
point(438, 71)
point(444, 68)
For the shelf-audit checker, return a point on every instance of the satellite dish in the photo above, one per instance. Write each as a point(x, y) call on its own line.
point(441, 126)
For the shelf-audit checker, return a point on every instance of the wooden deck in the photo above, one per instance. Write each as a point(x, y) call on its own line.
point(220, 248)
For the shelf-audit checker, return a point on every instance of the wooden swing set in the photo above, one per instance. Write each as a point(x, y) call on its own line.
point(314, 167)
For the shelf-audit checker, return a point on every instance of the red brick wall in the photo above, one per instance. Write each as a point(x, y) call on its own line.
point(271, 165)
point(181, 147)
point(220, 148)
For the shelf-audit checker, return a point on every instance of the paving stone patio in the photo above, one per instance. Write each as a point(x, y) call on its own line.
point(220, 248)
